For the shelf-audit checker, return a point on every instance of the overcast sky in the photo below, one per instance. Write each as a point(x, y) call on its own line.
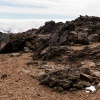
point(61, 9)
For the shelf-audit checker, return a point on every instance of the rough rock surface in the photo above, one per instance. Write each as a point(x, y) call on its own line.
point(15, 42)
point(69, 78)
point(74, 43)
point(83, 30)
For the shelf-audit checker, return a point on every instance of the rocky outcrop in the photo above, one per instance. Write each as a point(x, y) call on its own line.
point(86, 53)
point(69, 79)
point(83, 30)
point(4, 39)
point(15, 42)
point(66, 43)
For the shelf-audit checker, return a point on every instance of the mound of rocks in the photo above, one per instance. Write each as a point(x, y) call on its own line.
point(15, 42)
point(86, 53)
point(53, 42)
point(52, 52)
point(83, 30)
point(69, 79)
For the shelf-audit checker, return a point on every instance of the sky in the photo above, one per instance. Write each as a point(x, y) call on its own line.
point(22, 25)
point(48, 9)
point(22, 15)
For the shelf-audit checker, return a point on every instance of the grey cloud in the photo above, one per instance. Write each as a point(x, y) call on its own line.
point(52, 7)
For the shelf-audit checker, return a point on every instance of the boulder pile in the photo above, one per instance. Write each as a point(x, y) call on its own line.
point(83, 30)
point(72, 43)
point(15, 42)
point(69, 79)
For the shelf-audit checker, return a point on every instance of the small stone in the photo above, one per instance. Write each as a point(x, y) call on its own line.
point(86, 70)
point(88, 64)
point(41, 73)
point(86, 77)
point(79, 85)
point(66, 84)
point(26, 49)
point(58, 89)
point(3, 76)
point(96, 73)
point(15, 54)
point(28, 44)
point(72, 89)
point(30, 63)
point(98, 86)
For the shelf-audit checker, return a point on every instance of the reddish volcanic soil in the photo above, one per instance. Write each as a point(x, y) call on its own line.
point(16, 82)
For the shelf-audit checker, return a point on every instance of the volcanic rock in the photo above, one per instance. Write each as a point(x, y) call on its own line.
point(66, 79)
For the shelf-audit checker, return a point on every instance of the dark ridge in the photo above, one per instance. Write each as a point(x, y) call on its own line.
point(83, 30)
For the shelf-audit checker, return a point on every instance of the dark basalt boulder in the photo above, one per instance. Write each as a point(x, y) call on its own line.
point(68, 79)
point(4, 39)
point(86, 53)
point(47, 28)
point(15, 42)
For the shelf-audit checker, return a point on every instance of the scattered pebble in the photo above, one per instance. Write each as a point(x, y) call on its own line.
point(15, 54)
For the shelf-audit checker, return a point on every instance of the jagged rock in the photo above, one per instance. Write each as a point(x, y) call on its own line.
point(26, 49)
point(94, 38)
point(14, 42)
point(86, 77)
point(66, 79)
point(54, 40)
point(30, 63)
point(88, 64)
point(73, 74)
point(28, 44)
point(47, 28)
point(86, 70)
point(58, 89)
point(53, 51)
point(86, 53)
point(4, 39)
point(96, 73)
point(98, 86)
point(81, 85)
point(82, 38)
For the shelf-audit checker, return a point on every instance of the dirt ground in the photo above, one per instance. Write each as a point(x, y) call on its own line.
point(16, 82)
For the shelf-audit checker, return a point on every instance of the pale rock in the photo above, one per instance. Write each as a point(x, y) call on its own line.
point(15, 54)
point(88, 64)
